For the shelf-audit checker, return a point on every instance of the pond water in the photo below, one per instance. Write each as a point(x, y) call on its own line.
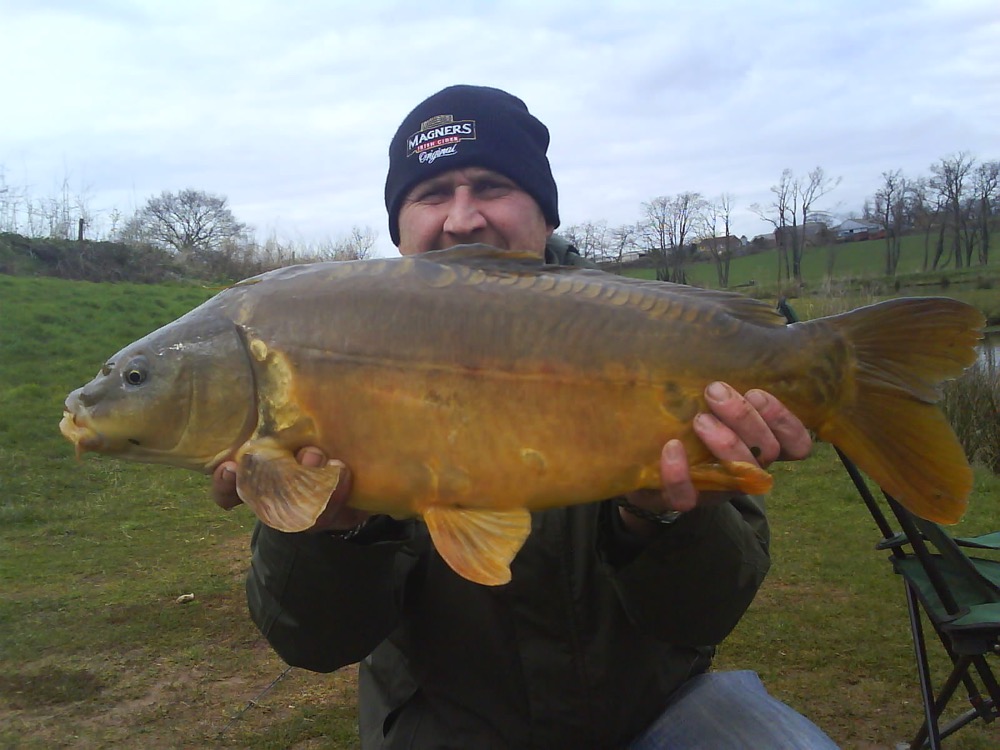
point(990, 347)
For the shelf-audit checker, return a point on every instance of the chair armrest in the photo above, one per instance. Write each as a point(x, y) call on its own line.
point(983, 541)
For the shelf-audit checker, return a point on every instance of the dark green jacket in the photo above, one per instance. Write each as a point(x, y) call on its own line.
point(581, 650)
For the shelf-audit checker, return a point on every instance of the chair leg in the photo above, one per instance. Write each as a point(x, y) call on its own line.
point(990, 708)
point(929, 732)
point(959, 674)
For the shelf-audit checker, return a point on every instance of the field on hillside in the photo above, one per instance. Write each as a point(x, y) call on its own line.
point(857, 265)
point(97, 651)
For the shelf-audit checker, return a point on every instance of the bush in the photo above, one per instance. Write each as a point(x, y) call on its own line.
point(972, 403)
point(85, 260)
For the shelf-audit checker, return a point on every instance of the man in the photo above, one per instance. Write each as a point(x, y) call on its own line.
point(604, 636)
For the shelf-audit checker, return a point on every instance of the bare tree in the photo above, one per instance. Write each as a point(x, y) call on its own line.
point(781, 214)
point(720, 248)
point(356, 245)
point(623, 238)
point(890, 212)
point(12, 203)
point(922, 213)
point(57, 217)
point(807, 192)
point(132, 231)
point(654, 233)
point(590, 239)
point(191, 222)
point(667, 224)
point(986, 196)
point(794, 200)
point(949, 179)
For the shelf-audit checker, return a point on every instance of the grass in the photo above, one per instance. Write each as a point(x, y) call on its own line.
point(828, 631)
point(857, 273)
point(95, 650)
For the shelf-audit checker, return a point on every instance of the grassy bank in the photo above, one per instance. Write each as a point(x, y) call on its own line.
point(854, 268)
point(96, 650)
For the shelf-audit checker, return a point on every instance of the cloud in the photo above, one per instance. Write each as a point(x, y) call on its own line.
point(288, 108)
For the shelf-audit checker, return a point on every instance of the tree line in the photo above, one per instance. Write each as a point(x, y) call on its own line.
point(955, 207)
point(190, 233)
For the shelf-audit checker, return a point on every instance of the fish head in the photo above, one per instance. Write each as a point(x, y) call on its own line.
point(183, 395)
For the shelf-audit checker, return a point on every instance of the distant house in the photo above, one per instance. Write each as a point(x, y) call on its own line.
point(853, 230)
point(812, 233)
point(713, 245)
point(763, 241)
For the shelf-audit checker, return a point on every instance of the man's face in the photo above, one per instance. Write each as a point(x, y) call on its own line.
point(470, 205)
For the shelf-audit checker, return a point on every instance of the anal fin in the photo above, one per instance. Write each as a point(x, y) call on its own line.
point(283, 493)
point(478, 544)
point(737, 476)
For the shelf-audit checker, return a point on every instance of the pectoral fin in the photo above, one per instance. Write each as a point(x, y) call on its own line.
point(284, 494)
point(738, 476)
point(478, 544)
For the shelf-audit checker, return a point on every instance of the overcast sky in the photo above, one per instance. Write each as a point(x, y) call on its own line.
point(287, 107)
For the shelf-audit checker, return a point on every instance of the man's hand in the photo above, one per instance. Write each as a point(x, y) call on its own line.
point(756, 428)
point(336, 516)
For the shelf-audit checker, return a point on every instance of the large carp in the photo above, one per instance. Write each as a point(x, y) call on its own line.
point(470, 386)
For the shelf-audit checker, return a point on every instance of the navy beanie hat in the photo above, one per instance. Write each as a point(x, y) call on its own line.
point(470, 126)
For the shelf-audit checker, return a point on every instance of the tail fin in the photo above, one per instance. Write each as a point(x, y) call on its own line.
point(890, 426)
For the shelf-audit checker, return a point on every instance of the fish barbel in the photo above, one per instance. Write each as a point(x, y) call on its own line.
point(471, 386)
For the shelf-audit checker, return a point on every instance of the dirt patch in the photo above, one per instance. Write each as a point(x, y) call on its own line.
point(49, 687)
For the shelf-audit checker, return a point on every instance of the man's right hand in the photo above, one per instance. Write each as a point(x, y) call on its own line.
point(336, 517)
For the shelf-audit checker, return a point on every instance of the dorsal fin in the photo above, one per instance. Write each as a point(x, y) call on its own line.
point(712, 301)
point(675, 299)
point(739, 306)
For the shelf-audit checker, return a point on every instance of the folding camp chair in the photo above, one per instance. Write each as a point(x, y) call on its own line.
point(960, 597)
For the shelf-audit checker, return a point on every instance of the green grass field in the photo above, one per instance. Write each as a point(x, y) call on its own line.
point(851, 267)
point(95, 650)
point(854, 260)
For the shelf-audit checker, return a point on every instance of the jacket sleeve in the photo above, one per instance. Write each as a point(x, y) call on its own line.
point(324, 602)
point(695, 579)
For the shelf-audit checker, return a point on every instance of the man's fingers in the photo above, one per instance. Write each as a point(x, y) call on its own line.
point(793, 438)
point(677, 491)
point(311, 457)
point(735, 431)
point(224, 486)
point(337, 515)
point(761, 427)
point(725, 444)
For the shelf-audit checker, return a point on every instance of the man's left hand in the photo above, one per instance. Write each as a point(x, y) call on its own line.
point(754, 427)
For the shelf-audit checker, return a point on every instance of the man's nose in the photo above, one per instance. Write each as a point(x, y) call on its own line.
point(464, 214)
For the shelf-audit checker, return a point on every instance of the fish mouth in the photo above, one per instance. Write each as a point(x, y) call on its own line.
point(84, 438)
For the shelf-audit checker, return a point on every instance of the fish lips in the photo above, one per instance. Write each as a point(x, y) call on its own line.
point(83, 437)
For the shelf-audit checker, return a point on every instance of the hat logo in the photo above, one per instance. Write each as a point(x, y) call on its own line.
point(440, 131)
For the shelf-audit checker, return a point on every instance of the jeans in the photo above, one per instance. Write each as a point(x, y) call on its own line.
point(730, 711)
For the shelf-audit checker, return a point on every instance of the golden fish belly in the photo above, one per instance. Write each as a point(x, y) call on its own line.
point(490, 440)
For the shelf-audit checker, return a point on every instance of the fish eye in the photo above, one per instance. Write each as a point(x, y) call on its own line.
point(135, 372)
